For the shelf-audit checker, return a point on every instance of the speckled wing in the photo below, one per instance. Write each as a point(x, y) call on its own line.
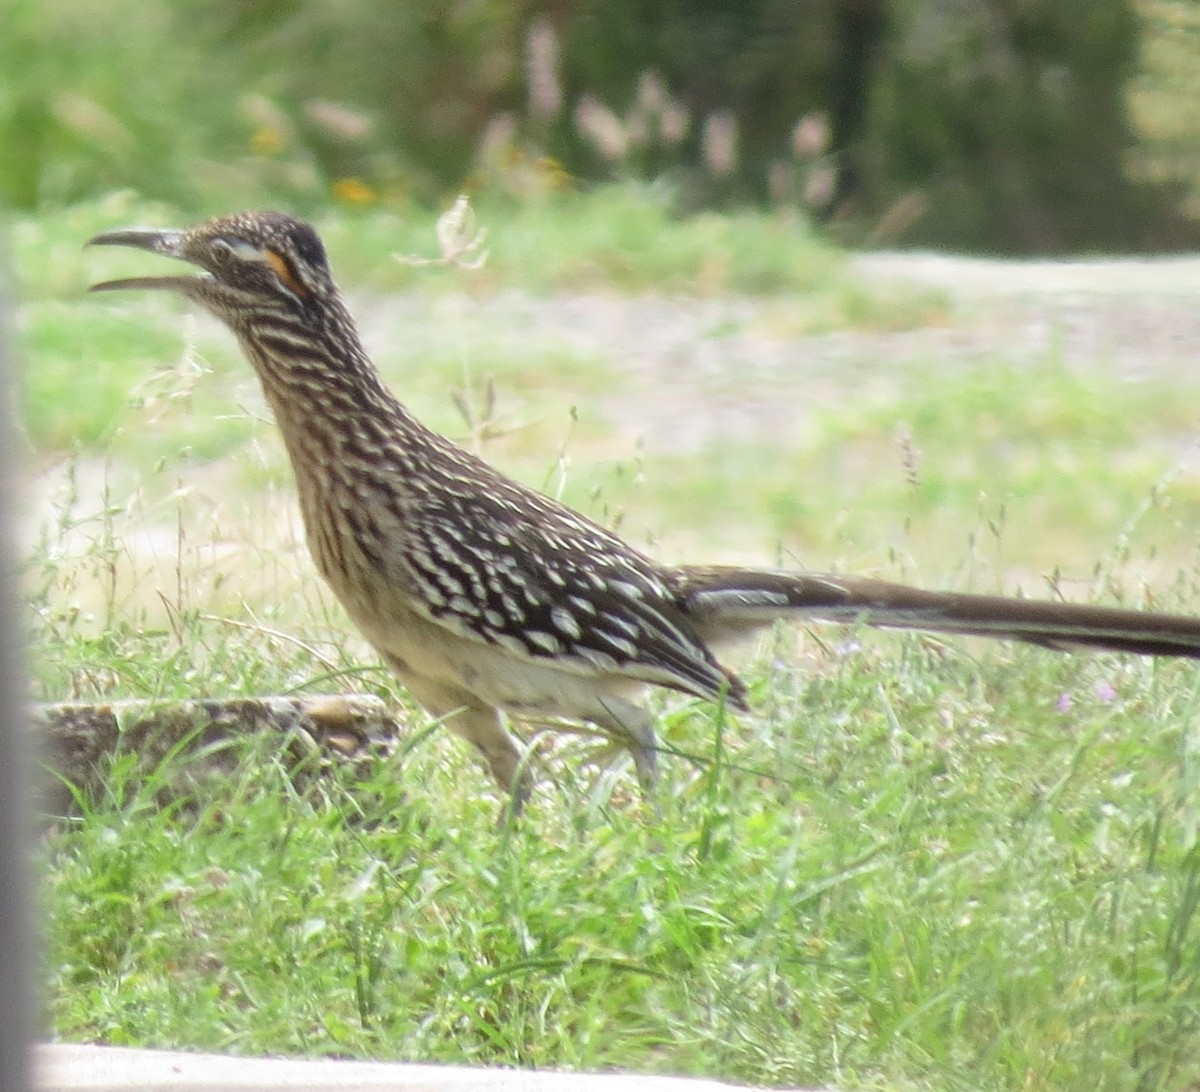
point(503, 564)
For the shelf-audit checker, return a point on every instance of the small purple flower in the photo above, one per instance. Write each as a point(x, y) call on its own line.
point(1105, 692)
point(1065, 702)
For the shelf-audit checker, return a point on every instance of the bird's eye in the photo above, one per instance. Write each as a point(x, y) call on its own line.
point(221, 250)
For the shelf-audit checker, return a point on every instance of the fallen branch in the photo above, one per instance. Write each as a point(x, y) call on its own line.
point(80, 740)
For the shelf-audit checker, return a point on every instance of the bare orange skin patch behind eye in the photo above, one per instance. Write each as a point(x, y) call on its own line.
point(284, 272)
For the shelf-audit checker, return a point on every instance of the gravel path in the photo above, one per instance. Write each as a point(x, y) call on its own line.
point(686, 370)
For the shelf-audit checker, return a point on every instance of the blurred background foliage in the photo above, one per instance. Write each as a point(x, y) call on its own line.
point(1003, 125)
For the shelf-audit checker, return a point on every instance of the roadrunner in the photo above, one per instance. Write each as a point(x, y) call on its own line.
point(486, 597)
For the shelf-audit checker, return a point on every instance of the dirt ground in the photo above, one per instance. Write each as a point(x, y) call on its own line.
point(688, 370)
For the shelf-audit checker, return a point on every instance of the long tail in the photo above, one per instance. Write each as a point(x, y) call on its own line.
point(725, 602)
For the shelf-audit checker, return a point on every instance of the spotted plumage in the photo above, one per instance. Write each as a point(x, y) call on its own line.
point(486, 596)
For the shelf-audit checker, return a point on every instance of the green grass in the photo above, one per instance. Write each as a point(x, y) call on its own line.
point(920, 865)
point(917, 870)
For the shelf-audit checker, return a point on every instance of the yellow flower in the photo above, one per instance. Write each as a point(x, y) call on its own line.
point(554, 174)
point(267, 141)
point(353, 191)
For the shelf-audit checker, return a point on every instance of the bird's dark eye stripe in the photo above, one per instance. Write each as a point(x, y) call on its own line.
point(279, 262)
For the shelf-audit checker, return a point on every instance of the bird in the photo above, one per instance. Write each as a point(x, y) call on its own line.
point(490, 600)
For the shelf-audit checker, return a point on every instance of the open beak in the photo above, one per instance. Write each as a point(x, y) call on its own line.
point(169, 243)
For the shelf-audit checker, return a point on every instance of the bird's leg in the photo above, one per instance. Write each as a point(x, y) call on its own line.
point(633, 726)
point(480, 725)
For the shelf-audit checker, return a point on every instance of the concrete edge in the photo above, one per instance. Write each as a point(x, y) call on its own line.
point(70, 1067)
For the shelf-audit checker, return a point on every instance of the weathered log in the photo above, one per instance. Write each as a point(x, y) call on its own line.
point(80, 741)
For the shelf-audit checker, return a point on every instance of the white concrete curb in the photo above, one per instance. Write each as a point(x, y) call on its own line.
point(66, 1067)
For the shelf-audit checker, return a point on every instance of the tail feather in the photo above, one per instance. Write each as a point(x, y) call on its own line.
point(725, 602)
